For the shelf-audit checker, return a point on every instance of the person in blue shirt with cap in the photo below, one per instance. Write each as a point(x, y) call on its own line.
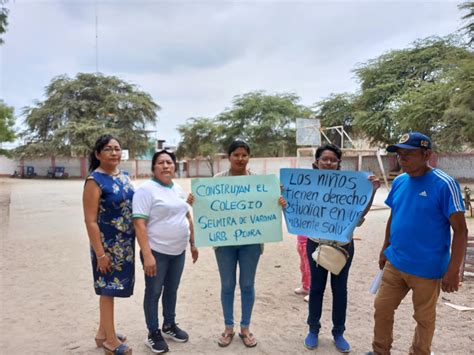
point(425, 204)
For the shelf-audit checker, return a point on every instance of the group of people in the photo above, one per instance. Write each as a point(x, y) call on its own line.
point(425, 204)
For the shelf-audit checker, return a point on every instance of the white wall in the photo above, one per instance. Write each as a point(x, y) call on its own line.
point(458, 165)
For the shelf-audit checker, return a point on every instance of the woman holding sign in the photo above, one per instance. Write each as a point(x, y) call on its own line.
point(163, 227)
point(328, 157)
point(245, 256)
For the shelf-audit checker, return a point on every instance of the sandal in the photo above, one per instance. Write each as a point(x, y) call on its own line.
point(248, 340)
point(122, 349)
point(100, 341)
point(225, 339)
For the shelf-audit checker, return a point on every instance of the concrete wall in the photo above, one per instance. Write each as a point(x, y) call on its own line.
point(7, 166)
point(460, 166)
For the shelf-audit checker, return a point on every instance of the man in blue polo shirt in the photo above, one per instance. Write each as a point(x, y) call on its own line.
point(425, 204)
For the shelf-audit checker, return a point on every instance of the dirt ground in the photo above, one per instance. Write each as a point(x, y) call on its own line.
point(48, 305)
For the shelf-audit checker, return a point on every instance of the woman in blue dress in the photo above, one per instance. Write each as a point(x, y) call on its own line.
point(107, 202)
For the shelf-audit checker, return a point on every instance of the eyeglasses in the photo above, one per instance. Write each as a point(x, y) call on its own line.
point(329, 160)
point(112, 149)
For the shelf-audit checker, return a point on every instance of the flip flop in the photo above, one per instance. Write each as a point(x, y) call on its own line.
point(100, 341)
point(122, 349)
point(248, 340)
point(225, 339)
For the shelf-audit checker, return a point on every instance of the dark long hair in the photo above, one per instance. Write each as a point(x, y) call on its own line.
point(100, 143)
point(333, 148)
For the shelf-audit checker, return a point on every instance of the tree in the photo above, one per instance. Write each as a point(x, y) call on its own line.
point(76, 111)
point(336, 110)
point(3, 19)
point(469, 19)
point(199, 138)
point(7, 121)
point(413, 89)
point(457, 124)
point(266, 122)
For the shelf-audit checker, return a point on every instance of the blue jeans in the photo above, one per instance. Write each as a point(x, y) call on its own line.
point(247, 257)
point(168, 275)
point(339, 291)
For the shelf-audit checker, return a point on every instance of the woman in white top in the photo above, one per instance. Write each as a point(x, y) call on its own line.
point(163, 228)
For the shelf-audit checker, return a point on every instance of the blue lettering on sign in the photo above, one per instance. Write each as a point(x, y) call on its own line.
point(300, 179)
point(326, 204)
point(240, 233)
point(236, 210)
point(205, 222)
point(336, 180)
point(263, 218)
point(219, 236)
point(231, 189)
point(345, 199)
point(224, 205)
point(333, 228)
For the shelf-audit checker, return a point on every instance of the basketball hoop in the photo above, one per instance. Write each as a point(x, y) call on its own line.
point(308, 131)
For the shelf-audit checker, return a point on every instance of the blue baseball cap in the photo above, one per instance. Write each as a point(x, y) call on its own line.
point(412, 140)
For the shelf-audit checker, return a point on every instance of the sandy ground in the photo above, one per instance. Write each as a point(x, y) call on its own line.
point(48, 305)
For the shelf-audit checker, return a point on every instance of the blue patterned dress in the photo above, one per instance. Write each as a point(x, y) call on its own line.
point(117, 234)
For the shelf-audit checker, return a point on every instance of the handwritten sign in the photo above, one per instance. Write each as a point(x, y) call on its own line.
point(324, 204)
point(236, 210)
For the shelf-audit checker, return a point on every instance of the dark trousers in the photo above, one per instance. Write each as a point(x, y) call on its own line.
point(339, 291)
point(168, 275)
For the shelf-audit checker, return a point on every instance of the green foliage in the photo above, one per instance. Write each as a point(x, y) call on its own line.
point(457, 122)
point(3, 19)
point(7, 121)
point(468, 19)
point(266, 122)
point(76, 111)
point(199, 138)
point(336, 110)
point(427, 88)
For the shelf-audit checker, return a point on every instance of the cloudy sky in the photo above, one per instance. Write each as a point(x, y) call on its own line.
point(194, 56)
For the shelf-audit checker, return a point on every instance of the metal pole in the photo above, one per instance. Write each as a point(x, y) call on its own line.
point(96, 38)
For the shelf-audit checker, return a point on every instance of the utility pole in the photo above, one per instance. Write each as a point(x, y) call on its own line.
point(96, 38)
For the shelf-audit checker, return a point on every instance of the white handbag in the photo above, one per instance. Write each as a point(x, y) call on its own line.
point(332, 257)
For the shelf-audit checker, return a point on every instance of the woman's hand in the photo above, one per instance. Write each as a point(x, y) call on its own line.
point(282, 202)
point(104, 265)
point(375, 182)
point(149, 265)
point(190, 199)
point(194, 253)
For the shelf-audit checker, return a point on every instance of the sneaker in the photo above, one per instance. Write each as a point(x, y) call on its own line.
point(341, 344)
point(311, 341)
point(156, 342)
point(301, 291)
point(172, 331)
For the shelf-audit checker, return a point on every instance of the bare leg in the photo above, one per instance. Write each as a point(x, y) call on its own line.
point(106, 323)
